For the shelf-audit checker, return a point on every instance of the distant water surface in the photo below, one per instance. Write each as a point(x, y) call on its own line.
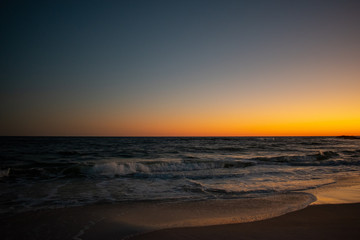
point(53, 172)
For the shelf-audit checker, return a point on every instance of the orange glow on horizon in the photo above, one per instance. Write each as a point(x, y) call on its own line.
point(311, 103)
point(212, 129)
point(228, 69)
point(218, 127)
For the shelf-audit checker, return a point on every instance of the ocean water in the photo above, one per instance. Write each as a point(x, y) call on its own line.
point(56, 172)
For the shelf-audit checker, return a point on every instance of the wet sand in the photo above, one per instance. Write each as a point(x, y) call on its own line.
point(115, 221)
point(338, 221)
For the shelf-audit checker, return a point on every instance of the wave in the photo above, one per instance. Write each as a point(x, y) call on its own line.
point(230, 149)
point(311, 158)
point(354, 153)
point(239, 188)
point(144, 169)
point(325, 155)
point(214, 211)
point(112, 169)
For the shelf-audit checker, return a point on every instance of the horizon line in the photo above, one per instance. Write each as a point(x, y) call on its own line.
point(189, 136)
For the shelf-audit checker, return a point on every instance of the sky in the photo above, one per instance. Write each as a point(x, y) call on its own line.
point(179, 68)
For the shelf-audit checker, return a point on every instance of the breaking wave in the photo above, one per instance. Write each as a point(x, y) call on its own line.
point(112, 169)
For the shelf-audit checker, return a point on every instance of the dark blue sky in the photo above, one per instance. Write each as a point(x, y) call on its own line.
point(63, 62)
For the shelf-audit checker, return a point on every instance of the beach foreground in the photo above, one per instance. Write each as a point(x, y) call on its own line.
point(179, 188)
point(337, 221)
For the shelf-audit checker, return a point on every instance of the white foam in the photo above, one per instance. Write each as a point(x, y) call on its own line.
point(112, 169)
point(214, 212)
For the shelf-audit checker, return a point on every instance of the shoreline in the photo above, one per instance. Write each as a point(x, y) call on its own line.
point(122, 220)
point(344, 190)
point(328, 221)
point(297, 215)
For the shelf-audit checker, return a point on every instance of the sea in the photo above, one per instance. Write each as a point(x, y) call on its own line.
point(60, 172)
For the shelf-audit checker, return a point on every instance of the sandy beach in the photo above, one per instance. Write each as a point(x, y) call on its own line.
point(261, 218)
point(336, 221)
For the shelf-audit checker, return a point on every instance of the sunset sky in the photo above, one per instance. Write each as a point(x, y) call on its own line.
point(180, 68)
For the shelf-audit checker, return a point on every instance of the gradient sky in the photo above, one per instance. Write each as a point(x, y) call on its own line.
point(180, 68)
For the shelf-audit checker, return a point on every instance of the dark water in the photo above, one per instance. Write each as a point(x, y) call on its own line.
point(47, 172)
